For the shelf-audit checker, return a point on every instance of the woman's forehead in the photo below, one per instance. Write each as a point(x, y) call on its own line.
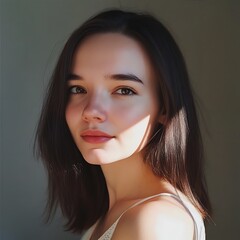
point(112, 53)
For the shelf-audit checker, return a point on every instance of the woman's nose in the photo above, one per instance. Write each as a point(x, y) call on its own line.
point(95, 110)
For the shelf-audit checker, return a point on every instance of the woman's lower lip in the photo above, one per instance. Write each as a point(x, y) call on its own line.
point(96, 139)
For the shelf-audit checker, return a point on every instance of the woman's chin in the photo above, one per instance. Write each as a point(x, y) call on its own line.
point(97, 157)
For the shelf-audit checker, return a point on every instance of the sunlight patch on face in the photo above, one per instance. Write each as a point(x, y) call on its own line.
point(126, 145)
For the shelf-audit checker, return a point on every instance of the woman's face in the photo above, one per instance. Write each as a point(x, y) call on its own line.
point(112, 103)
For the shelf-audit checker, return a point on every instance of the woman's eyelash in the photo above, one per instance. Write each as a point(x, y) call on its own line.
point(77, 90)
point(125, 91)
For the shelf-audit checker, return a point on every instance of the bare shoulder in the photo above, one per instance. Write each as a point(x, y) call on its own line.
point(161, 219)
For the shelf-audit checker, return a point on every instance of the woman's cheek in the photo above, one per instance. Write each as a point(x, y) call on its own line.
point(72, 115)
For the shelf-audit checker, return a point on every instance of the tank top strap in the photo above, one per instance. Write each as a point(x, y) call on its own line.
point(108, 234)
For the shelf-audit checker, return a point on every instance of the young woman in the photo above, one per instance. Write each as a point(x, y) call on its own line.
point(119, 134)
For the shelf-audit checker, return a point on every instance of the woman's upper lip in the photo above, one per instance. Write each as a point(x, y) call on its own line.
point(96, 133)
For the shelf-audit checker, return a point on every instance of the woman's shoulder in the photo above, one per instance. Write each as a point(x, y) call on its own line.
point(158, 218)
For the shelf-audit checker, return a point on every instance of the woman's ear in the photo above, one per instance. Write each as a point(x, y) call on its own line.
point(162, 119)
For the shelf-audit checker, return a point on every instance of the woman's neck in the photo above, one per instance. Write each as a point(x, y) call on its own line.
point(131, 179)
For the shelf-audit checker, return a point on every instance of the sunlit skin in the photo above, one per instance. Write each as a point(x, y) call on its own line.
point(111, 113)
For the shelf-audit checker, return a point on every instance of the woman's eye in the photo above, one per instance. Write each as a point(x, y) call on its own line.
point(125, 91)
point(77, 90)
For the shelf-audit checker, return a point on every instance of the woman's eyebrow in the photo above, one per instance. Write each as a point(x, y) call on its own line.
point(127, 77)
point(118, 77)
point(73, 76)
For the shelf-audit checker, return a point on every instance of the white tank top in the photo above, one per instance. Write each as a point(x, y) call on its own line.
point(199, 229)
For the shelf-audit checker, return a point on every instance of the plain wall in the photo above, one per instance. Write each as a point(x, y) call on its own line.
point(32, 34)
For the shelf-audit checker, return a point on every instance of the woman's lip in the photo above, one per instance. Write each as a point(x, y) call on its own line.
point(96, 139)
point(95, 133)
point(95, 136)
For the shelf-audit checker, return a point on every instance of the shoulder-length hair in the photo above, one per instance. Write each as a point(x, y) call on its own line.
point(174, 153)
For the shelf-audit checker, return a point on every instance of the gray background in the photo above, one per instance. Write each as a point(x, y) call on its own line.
point(32, 34)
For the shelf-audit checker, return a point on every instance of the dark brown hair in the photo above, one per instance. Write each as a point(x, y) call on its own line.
point(174, 153)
